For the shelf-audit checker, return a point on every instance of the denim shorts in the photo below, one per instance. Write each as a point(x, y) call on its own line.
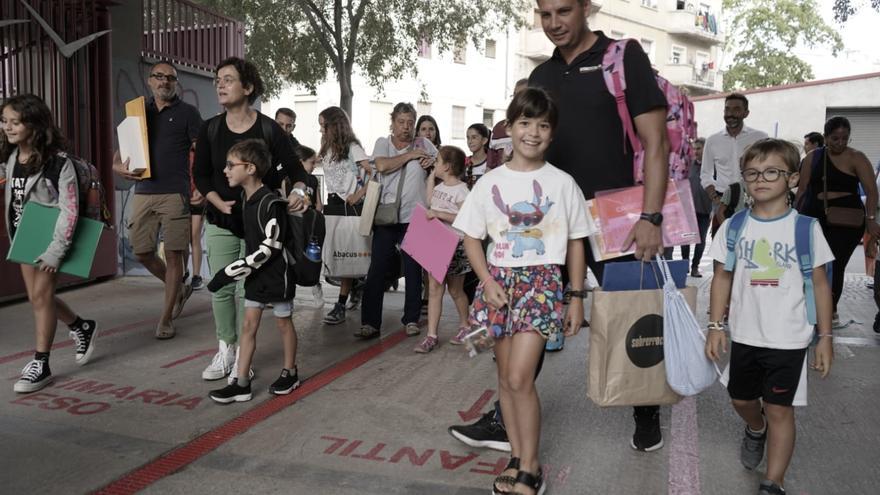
point(281, 309)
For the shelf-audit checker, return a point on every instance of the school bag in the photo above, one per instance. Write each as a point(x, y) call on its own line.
point(681, 128)
point(303, 228)
point(91, 193)
point(803, 243)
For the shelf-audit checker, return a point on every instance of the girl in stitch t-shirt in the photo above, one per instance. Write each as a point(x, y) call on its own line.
point(534, 214)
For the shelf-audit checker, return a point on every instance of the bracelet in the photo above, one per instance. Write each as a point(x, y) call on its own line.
point(824, 335)
point(715, 325)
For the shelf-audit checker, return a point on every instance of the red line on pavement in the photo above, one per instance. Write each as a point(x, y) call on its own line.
point(189, 358)
point(182, 456)
point(102, 333)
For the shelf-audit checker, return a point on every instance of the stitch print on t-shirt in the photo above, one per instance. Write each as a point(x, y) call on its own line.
point(523, 218)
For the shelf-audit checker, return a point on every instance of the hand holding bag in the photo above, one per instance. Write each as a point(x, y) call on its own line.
point(839, 216)
point(389, 214)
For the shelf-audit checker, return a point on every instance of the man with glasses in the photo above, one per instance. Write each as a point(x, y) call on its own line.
point(163, 199)
point(723, 150)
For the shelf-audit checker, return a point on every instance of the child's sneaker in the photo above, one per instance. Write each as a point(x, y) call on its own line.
point(336, 315)
point(34, 376)
point(286, 383)
point(647, 437)
point(459, 337)
point(232, 393)
point(770, 488)
point(84, 337)
point(197, 283)
point(751, 451)
point(427, 345)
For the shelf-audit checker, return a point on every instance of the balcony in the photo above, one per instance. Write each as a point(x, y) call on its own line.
point(698, 80)
point(536, 46)
point(695, 28)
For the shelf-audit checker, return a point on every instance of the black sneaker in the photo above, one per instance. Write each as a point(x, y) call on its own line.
point(647, 437)
point(877, 323)
point(232, 393)
point(354, 299)
point(34, 376)
point(486, 432)
point(84, 337)
point(336, 315)
point(197, 283)
point(770, 488)
point(285, 384)
point(751, 451)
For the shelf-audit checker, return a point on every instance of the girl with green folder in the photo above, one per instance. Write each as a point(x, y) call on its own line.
point(31, 142)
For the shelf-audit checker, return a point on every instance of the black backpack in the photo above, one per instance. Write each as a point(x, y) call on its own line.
point(302, 229)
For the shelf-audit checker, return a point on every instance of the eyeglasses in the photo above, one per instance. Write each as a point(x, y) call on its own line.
point(528, 219)
point(769, 175)
point(225, 81)
point(230, 164)
point(164, 77)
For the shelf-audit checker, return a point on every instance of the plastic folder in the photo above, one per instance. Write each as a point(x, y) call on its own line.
point(35, 233)
point(637, 275)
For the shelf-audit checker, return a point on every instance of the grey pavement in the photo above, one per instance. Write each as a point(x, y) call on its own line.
point(380, 428)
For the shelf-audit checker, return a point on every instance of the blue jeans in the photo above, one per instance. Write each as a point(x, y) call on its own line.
point(386, 238)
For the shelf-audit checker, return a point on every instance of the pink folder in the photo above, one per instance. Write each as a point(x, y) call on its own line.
point(430, 242)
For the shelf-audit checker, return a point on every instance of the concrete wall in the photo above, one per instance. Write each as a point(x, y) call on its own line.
point(790, 112)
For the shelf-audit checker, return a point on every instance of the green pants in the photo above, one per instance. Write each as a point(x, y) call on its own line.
point(224, 248)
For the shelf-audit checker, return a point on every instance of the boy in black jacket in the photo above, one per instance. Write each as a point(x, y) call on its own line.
point(268, 269)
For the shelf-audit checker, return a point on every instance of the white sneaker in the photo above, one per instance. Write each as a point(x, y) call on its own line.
point(221, 365)
point(234, 373)
point(318, 296)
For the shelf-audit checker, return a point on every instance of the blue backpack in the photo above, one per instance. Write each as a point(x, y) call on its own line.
point(803, 243)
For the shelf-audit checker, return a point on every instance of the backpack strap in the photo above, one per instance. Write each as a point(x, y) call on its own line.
point(803, 243)
point(615, 81)
point(735, 227)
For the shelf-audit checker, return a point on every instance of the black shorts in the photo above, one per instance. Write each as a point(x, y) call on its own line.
point(198, 209)
point(771, 374)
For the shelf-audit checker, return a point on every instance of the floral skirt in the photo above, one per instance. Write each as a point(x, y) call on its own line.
point(534, 301)
point(459, 264)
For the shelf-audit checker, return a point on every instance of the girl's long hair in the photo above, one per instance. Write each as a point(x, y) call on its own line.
point(338, 134)
point(437, 142)
point(46, 138)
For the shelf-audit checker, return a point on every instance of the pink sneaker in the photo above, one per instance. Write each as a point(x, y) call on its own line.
point(427, 345)
point(459, 337)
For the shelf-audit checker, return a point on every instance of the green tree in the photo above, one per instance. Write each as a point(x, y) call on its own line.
point(304, 41)
point(762, 35)
point(845, 8)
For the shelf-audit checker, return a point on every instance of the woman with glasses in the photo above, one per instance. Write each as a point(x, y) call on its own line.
point(830, 177)
point(238, 86)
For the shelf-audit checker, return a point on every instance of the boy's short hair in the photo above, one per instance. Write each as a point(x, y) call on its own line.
point(304, 153)
point(816, 138)
point(286, 111)
point(769, 146)
point(455, 157)
point(253, 151)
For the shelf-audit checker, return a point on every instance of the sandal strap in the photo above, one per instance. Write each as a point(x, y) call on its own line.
point(513, 463)
point(530, 480)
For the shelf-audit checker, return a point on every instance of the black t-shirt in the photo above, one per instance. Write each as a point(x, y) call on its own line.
point(171, 132)
point(588, 141)
point(16, 183)
point(210, 160)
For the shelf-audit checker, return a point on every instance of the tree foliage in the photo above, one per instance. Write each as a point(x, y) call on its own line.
point(762, 35)
point(845, 8)
point(305, 41)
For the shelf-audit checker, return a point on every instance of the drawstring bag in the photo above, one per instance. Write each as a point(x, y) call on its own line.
point(688, 370)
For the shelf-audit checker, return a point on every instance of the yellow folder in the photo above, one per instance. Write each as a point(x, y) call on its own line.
point(138, 108)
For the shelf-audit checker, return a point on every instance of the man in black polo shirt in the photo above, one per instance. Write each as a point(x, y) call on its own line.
point(163, 199)
point(589, 142)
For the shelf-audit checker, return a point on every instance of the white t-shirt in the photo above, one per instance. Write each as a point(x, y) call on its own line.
point(413, 192)
point(340, 176)
point(449, 199)
point(530, 216)
point(767, 305)
point(721, 154)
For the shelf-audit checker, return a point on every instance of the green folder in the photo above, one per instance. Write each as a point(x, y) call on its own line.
point(34, 234)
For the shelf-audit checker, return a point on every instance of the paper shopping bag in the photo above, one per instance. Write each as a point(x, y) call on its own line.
point(625, 365)
point(371, 202)
point(346, 253)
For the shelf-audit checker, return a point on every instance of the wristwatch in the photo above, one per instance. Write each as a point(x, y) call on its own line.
point(299, 192)
point(576, 293)
point(653, 218)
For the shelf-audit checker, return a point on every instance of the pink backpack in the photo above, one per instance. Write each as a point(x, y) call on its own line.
point(680, 125)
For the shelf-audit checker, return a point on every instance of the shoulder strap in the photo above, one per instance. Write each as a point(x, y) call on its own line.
point(214, 128)
point(615, 81)
point(803, 243)
point(268, 132)
point(735, 227)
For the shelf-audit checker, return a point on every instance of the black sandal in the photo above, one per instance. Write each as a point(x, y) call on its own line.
point(504, 479)
point(532, 481)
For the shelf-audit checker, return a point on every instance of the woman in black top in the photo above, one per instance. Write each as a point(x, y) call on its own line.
point(238, 86)
point(842, 169)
